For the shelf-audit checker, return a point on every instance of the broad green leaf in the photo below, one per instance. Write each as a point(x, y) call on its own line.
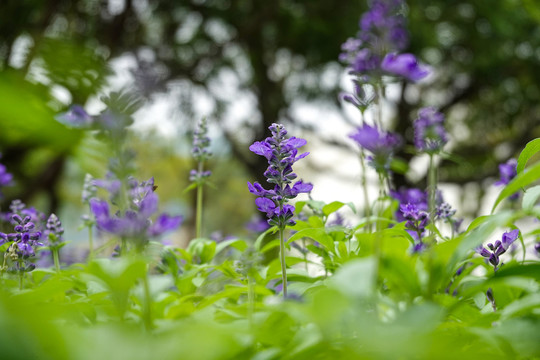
point(520, 181)
point(261, 237)
point(530, 149)
point(355, 278)
point(335, 206)
point(238, 244)
point(522, 306)
point(530, 197)
point(317, 234)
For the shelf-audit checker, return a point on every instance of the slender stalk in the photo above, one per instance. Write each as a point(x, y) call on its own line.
point(367, 207)
point(282, 260)
point(90, 243)
point(432, 188)
point(251, 300)
point(56, 259)
point(198, 218)
point(147, 313)
point(21, 275)
point(304, 252)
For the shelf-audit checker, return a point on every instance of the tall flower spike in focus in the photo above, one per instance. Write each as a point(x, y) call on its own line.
point(429, 133)
point(281, 153)
point(380, 144)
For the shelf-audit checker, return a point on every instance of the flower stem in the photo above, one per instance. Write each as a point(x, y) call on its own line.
point(251, 300)
point(147, 304)
point(282, 260)
point(432, 188)
point(367, 207)
point(198, 217)
point(56, 259)
point(21, 275)
point(90, 243)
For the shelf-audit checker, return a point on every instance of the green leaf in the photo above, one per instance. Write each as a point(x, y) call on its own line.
point(355, 278)
point(235, 243)
point(530, 197)
point(530, 149)
point(522, 306)
point(270, 245)
point(520, 181)
point(335, 206)
point(261, 237)
point(317, 234)
point(190, 187)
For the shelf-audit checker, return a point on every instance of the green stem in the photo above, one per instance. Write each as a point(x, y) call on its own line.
point(251, 300)
point(21, 275)
point(282, 260)
point(123, 247)
point(367, 207)
point(432, 188)
point(304, 252)
point(198, 218)
point(56, 259)
point(147, 314)
point(90, 243)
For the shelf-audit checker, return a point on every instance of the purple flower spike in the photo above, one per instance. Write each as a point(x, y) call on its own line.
point(499, 248)
point(404, 65)
point(382, 30)
point(164, 223)
point(76, 117)
point(429, 133)
point(281, 153)
point(508, 171)
point(381, 144)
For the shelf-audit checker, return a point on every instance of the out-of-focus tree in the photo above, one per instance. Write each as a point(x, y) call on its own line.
point(272, 53)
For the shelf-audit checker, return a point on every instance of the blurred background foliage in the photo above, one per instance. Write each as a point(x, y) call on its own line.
point(275, 55)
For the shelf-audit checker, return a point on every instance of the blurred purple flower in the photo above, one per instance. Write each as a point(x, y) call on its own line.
point(135, 221)
point(76, 117)
point(257, 225)
point(429, 133)
point(379, 143)
point(508, 171)
point(404, 65)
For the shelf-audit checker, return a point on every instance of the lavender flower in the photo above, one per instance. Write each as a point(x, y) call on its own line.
point(499, 248)
point(416, 220)
point(6, 178)
point(200, 151)
point(508, 171)
point(54, 231)
point(413, 196)
point(537, 248)
point(25, 239)
point(89, 189)
point(404, 65)
point(379, 143)
point(382, 29)
point(429, 133)
point(134, 223)
point(76, 117)
point(257, 225)
point(281, 153)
